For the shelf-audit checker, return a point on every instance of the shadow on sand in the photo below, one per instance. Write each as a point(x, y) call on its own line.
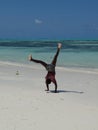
point(66, 91)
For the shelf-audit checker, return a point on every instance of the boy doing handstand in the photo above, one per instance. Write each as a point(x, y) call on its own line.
point(50, 77)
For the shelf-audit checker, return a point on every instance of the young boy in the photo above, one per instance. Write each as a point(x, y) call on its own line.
point(50, 77)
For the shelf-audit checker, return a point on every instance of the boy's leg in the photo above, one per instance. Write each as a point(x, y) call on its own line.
point(56, 55)
point(38, 61)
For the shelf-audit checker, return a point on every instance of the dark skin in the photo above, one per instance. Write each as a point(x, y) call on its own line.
point(48, 81)
point(47, 85)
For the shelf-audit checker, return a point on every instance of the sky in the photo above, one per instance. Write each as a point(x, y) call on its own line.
point(49, 19)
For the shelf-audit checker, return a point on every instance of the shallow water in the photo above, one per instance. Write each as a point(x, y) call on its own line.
point(82, 54)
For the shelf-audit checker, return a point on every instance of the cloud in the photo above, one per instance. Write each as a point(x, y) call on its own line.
point(37, 21)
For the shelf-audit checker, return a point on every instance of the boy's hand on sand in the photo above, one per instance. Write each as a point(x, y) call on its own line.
point(30, 57)
point(59, 45)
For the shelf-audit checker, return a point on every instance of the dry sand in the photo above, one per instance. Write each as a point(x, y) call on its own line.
point(24, 105)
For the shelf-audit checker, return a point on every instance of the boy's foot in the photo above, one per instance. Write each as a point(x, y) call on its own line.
point(46, 89)
point(59, 45)
point(30, 57)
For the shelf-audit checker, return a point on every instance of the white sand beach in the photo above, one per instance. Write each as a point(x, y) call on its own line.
point(24, 105)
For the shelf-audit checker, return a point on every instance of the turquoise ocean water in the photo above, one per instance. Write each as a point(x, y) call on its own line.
point(74, 53)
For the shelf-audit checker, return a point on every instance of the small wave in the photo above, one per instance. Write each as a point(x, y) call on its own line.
point(79, 70)
point(18, 64)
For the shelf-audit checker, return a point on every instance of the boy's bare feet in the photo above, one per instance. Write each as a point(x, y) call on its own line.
point(46, 89)
point(59, 45)
point(30, 57)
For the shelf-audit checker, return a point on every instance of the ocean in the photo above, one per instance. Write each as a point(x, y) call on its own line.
point(74, 53)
